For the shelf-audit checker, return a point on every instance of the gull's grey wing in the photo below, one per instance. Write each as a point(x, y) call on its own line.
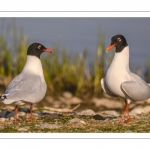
point(136, 91)
point(137, 79)
point(26, 87)
point(105, 88)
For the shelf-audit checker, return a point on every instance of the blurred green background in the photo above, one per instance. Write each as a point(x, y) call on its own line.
point(63, 71)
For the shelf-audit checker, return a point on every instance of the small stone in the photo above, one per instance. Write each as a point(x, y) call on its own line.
point(107, 119)
point(135, 116)
point(108, 103)
point(148, 101)
point(11, 114)
point(27, 116)
point(128, 131)
point(75, 114)
point(146, 109)
point(12, 118)
point(2, 119)
point(108, 112)
point(35, 114)
point(10, 107)
point(75, 100)
point(49, 99)
point(22, 129)
point(98, 117)
point(76, 120)
point(49, 126)
point(46, 111)
point(46, 108)
point(57, 104)
point(21, 113)
point(26, 110)
point(87, 112)
point(62, 99)
point(3, 113)
point(67, 95)
point(137, 110)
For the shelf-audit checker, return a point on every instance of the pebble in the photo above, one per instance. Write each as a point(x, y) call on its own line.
point(146, 109)
point(75, 100)
point(11, 114)
point(22, 129)
point(49, 99)
point(108, 112)
point(87, 112)
point(10, 107)
point(46, 107)
point(148, 101)
point(128, 131)
point(35, 114)
point(49, 126)
point(48, 114)
point(46, 111)
point(27, 116)
point(21, 113)
point(12, 118)
point(76, 120)
point(2, 119)
point(140, 110)
point(137, 111)
point(67, 95)
point(6, 114)
point(98, 117)
point(135, 116)
point(3, 113)
point(7, 119)
point(107, 119)
point(57, 104)
point(108, 103)
point(63, 100)
point(26, 110)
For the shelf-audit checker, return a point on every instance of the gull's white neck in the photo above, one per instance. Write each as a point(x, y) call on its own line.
point(33, 65)
point(121, 60)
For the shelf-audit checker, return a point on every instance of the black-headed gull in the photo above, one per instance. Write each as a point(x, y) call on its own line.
point(120, 81)
point(29, 86)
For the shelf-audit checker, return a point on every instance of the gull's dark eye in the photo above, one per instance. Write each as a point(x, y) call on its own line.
point(39, 47)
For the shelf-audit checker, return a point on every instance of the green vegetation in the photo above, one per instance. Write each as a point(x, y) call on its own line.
point(141, 125)
point(63, 72)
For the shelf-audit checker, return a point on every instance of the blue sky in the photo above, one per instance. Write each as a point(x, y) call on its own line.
point(77, 33)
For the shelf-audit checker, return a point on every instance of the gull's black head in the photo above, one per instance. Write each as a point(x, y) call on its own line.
point(36, 49)
point(119, 42)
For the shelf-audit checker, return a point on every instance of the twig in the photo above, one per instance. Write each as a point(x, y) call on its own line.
point(64, 109)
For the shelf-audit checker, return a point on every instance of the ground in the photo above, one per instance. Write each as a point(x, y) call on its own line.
point(100, 115)
point(75, 124)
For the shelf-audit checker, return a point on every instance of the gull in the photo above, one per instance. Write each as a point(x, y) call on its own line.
point(29, 86)
point(120, 81)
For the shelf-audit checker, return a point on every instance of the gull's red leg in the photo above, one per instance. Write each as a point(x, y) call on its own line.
point(123, 116)
point(31, 112)
point(128, 119)
point(16, 113)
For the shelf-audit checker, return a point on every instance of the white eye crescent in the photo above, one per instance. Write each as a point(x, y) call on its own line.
point(118, 39)
point(39, 47)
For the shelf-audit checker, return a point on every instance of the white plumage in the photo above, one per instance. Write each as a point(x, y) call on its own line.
point(29, 86)
point(119, 80)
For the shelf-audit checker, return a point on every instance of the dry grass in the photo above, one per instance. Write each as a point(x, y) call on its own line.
point(141, 125)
